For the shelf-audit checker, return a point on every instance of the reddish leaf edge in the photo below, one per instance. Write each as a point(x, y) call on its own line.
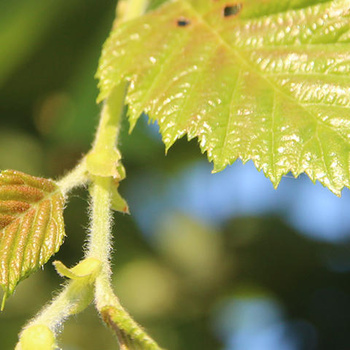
point(50, 188)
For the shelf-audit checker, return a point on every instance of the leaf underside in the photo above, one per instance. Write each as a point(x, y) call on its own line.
point(267, 81)
point(31, 225)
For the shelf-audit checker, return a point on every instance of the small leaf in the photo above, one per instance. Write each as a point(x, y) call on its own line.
point(267, 81)
point(118, 202)
point(85, 271)
point(31, 225)
point(82, 276)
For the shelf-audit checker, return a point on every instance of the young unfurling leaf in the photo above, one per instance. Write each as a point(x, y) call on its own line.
point(31, 225)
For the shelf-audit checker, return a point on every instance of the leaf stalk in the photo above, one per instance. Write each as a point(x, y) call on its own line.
point(103, 169)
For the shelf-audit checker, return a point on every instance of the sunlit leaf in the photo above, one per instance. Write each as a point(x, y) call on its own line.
point(31, 225)
point(153, 4)
point(262, 80)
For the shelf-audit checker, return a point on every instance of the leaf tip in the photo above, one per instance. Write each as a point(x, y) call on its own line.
point(126, 210)
point(101, 96)
point(168, 144)
point(3, 302)
point(218, 167)
point(118, 202)
point(132, 125)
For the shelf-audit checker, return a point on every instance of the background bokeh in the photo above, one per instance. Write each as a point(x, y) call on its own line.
point(205, 261)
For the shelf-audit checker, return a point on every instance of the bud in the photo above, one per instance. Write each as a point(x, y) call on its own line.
point(37, 337)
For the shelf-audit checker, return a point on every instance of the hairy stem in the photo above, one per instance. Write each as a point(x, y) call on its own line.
point(107, 303)
point(108, 129)
point(102, 162)
point(77, 177)
point(104, 157)
point(102, 167)
point(58, 310)
point(99, 245)
point(75, 297)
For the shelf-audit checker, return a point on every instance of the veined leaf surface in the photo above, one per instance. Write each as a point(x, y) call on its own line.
point(262, 80)
point(31, 225)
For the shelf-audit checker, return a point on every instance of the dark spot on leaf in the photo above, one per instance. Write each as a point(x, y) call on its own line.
point(183, 22)
point(232, 10)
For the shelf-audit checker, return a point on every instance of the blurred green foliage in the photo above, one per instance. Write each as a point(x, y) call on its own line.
point(174, 282)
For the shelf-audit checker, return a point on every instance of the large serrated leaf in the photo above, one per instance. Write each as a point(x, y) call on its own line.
point(31, 225)
point(261, 80)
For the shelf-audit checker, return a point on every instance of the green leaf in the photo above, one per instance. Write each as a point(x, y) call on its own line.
point(31, 225)
point(118, 203)
point(86, 271)
point(83, 277)
point(153, 4)
point(262, 80)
